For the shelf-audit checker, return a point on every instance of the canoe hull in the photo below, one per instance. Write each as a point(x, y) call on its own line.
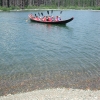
point(49, 22)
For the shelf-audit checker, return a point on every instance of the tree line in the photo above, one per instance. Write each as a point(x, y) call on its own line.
point(58, 3)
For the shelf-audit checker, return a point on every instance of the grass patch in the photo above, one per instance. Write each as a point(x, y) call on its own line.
point(8, 9)
point(4, 9)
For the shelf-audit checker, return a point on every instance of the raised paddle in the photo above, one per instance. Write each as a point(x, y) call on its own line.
point(42, 14)
point(48, 12)
point(60, 12)
point(35, 15)
point(51, 11)
point(38, 13)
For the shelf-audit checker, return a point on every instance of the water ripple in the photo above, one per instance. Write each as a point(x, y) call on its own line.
point(38, 56)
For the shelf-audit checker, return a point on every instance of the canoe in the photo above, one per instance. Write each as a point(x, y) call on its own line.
point(50, 22)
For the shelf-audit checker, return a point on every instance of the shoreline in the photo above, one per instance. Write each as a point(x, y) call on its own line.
point(55, 94)
point(48, 9)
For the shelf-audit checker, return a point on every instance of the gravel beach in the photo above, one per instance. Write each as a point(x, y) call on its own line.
point(55, 94)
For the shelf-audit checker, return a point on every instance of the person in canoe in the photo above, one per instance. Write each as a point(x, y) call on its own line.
point(58, 18)
point(44, 18)
point(37, 18)
point(53, 18)
point(49, 18)
point(32, 16)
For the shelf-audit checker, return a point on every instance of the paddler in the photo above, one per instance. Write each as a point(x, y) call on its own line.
point(57, 18)
point(49, 18)
point(36, 18)
point(44, 18)
point(53, 19)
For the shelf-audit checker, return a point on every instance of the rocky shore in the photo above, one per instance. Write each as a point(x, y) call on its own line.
point(55, 94)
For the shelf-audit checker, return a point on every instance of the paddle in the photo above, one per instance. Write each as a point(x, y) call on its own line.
point(48, 12)
point(38, 13)
point(60, 12)
point(42, 14)
point(51, 12)
point(35, 15)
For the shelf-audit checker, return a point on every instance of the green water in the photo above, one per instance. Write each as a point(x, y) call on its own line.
point(38, 56)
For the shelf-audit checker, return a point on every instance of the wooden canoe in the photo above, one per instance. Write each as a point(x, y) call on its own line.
point(50, 22)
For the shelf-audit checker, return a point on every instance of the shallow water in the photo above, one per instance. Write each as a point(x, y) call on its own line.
point(38, 56)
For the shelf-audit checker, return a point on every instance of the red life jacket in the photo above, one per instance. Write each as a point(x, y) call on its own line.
point(50, 19)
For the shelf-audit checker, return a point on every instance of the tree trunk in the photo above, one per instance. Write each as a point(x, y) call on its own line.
point(8, 3)
point(1, 3)
point(58, 3)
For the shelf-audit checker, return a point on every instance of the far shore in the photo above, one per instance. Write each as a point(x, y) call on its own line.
point(49, 9)
point(55, 94)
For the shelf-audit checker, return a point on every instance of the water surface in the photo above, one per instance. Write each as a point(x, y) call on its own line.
point(38, 56)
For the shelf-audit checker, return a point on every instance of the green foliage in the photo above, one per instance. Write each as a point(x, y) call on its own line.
point(41, 7)
point(17, 7)
point(12, 7)
point(72, 7)
point(97, 8)
point(8, 9)
point(56, 4)
point(33, 7)
point(61, 7)
point(50, 4)
point(5, 9)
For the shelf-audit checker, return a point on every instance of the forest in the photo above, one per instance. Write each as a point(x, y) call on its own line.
point(49, 3)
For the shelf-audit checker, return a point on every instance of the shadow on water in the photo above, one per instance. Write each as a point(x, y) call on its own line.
point(61, 26)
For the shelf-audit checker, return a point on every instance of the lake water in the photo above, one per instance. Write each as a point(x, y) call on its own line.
point(39, 56)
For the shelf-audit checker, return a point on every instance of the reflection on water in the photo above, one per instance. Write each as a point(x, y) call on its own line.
point(38, 56)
